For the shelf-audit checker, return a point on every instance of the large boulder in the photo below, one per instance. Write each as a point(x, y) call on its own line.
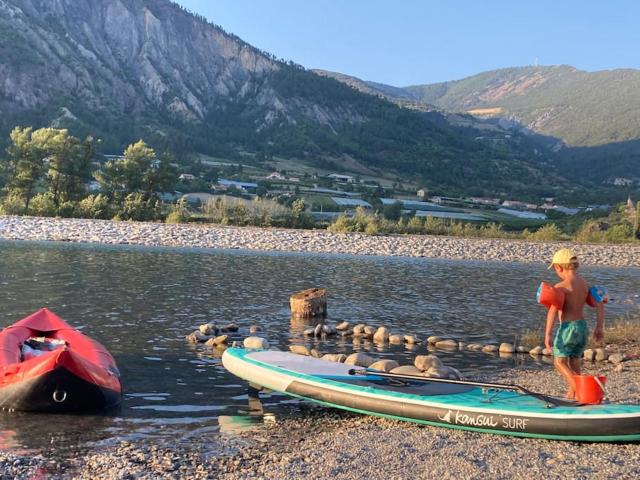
point(359, 329)
point(425, 362)
point(360, 360)
point(589, 354)
point(369, 331)
point(411, 339)
point(256, 343)
point(384, 365)
point(601, 354)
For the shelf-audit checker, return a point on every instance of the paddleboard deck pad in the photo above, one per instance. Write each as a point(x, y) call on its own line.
point(437, 404)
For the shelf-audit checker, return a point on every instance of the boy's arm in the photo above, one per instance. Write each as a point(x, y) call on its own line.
point(598, 333)
point(551, 319)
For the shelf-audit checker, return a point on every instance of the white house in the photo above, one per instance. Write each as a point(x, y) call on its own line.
point(186, 177)
point(341, 178)
point(276, 176)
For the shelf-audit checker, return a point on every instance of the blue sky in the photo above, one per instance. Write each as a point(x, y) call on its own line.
point(407, 42)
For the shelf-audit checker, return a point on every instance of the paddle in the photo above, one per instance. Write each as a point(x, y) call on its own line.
point(557, 402)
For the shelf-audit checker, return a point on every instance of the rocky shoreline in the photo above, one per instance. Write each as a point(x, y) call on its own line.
point(311, 241)
point(321, 443)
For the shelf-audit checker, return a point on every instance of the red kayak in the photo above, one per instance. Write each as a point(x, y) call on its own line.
point(48, 366)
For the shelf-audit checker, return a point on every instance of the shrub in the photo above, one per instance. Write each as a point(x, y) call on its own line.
point(179, 213)
point(95, 206)
point(618, 233)
point(12, 205)
point(546, 233)
point(589, 232)
point(139, 208)
point(42, 205)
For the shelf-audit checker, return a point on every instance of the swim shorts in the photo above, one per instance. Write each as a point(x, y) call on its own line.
point(571, 339)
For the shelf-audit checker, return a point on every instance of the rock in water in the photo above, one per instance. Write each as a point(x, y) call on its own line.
point(474, 347)
point(230, 328)
point(447, 344)
point(334, 357)
point(317, 331)
point(506, 348)
point(369, 331)
point(411, 339)
point(381, 335)
point(360, 360)
point(406, 370)
point(489, 349)
point(359, 329)
point(253, 329)
point(535, 351)
point(328, 330)
point(256, 343)
point(309, 332)
point(208, 329)
point(521, 349)
point(384, 365)
point(315, 353)
point(300, 350)
point(197, 337)
point(343, 326)
point(425, 362)
point(220, 340)
point(433, 339)
point(396, 339)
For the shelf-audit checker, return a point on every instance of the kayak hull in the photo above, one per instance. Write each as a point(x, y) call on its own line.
point(77, 375)
point(58, 391)
point(454, 406)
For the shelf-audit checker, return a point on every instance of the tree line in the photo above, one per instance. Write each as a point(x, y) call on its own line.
point(48, 172)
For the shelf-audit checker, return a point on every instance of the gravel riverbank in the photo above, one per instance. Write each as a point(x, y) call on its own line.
point(328, 444)
point(317, 241)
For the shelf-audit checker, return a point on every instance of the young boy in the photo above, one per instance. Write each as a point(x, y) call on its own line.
point(572, 335)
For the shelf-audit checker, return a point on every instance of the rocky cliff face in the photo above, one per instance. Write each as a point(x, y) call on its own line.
point(133, 57)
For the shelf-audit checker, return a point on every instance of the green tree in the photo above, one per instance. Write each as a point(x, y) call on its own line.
point(24, 166)
point(69, 163)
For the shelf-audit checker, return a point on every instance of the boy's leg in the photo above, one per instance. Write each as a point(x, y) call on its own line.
point(564, 368)
point(576, 364)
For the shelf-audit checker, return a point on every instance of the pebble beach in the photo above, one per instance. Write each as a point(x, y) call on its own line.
point(311, 241)
point(321, 443)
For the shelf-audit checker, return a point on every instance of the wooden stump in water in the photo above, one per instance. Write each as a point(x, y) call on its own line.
point(309, 303)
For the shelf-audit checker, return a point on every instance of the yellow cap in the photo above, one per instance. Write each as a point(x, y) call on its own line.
point(564, 256)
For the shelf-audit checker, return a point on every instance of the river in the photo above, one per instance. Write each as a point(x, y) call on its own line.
point(141, 302)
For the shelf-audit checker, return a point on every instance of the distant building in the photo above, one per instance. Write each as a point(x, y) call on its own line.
point(484, 200)
point(341, 178)
point(294, 179)
point(566, 210)
point(520, 214)
point(276, 176)
point(518, 204)
point(239, 185)
point(186, 177)
point(422, 193)
point(351, 202)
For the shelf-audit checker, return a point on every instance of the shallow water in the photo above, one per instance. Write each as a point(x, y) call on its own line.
point(140, 302)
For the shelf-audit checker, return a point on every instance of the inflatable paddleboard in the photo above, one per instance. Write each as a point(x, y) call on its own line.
point(449, 405)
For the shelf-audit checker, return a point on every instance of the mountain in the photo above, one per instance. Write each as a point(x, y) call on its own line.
point(590, 119)
point(581, 108)
point(128, 69)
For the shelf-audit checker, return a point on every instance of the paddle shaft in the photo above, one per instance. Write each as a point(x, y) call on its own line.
point(497, 386)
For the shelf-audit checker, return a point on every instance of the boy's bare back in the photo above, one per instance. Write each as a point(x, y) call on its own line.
point(576, 291)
